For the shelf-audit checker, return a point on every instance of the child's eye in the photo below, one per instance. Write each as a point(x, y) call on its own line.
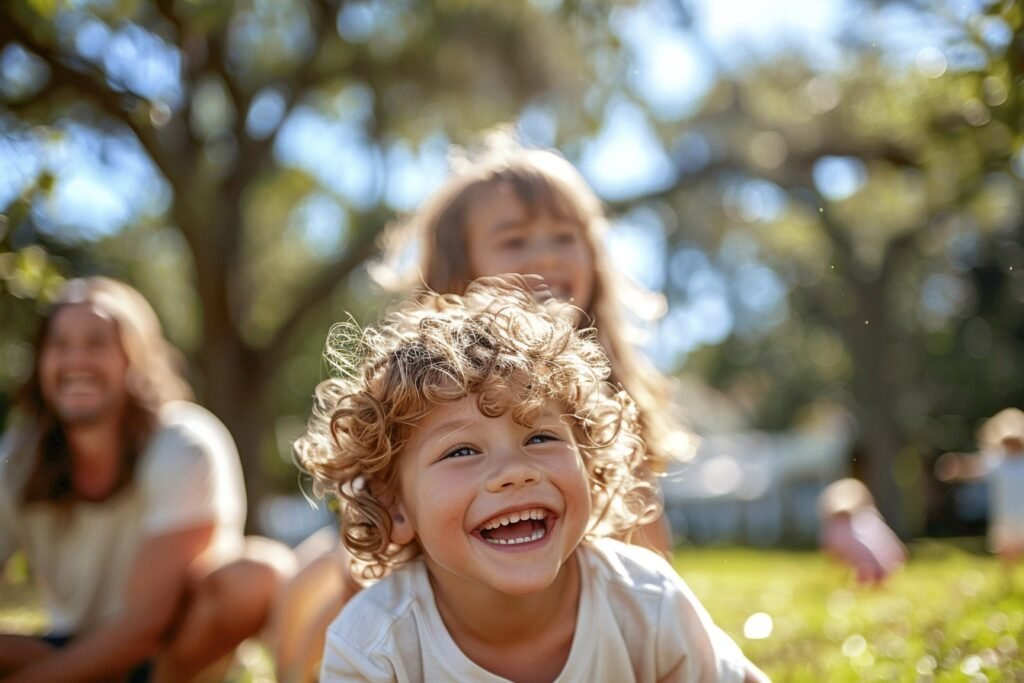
point(543, 437)
point(514, 243)
point(565, 238)
point(459, 452)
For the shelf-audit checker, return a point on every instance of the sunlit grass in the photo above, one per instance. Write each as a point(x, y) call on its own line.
point(19, 606)
point(952, 615)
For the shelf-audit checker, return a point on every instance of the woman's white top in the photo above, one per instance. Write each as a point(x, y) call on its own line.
point(188, 475)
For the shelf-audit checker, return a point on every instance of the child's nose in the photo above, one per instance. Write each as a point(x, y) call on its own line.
point(512, 474)
point(543, 256)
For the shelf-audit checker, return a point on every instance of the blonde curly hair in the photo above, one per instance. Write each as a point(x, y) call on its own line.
point(494, 341)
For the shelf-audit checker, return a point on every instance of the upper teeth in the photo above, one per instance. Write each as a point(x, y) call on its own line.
point(513, 517)
point(77, 381)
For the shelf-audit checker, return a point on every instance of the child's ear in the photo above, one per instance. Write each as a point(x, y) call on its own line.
point(402, 532)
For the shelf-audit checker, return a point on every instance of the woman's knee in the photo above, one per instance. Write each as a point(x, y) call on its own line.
point(238, 596)
point(241, 593)
point(223, 608)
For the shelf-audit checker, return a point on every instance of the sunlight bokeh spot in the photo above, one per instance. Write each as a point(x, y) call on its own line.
point(970, 583)
point(931, 62)
point(855, 645)
point(758, 626)
point(970, 665)
point(925, 665)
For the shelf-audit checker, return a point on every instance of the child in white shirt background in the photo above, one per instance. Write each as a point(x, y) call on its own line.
point(1001, 439)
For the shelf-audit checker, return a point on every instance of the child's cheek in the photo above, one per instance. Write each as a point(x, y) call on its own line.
point(446, 505)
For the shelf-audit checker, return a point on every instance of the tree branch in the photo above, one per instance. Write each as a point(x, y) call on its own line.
point(253, 153)
point(218, 62)
point(166, 10)
point(364, 245)
point(24, 105)
point(88, 83)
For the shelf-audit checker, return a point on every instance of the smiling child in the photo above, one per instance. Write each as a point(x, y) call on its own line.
point(482, 460)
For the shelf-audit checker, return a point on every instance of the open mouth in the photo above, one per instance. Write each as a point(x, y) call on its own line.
point(78, 383)
point(516, 528)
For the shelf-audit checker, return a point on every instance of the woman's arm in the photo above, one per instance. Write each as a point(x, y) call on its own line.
point(17, 652)
point(157, 586)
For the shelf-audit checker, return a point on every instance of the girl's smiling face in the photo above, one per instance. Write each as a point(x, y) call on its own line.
point(492, 503)
point(502, 236)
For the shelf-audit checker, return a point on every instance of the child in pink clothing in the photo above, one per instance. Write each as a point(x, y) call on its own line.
point(854, 532)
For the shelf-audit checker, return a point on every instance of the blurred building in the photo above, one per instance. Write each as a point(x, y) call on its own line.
point(759, 488)
point(291, 518)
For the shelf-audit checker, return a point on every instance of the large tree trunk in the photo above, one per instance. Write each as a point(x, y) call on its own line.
point(235, 391)
point(878, 377)
point(232, 382)
point(882, 441)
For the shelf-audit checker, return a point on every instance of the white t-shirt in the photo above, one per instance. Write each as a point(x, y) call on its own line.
point(1006, 502)
point(189, 474)
point(637, 621)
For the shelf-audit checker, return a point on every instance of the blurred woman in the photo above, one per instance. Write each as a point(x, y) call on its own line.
point(128, 501)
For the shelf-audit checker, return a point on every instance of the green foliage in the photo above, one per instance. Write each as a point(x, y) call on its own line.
point(21, 611)
point(29, 278)
point(883, 276)
point(901, 295)
point(215, 227)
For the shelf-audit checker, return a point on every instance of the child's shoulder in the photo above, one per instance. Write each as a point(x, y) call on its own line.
point(377, 635)
point(374, 614)
point(667, 632)
point(633, 567)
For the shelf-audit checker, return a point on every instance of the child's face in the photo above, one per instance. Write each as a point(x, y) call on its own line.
point(493, 504)
point(501, 237)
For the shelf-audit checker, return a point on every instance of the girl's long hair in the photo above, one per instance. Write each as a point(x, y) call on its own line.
point(543, 181)
point(154, 377)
